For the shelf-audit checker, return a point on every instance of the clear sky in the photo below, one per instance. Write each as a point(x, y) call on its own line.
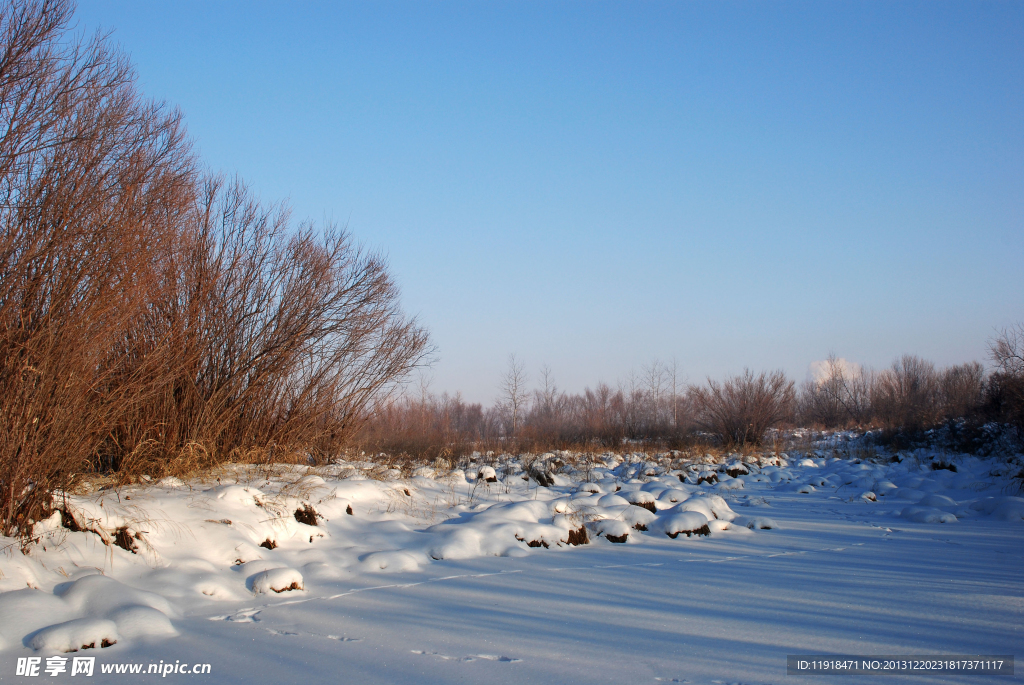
point(594, 185)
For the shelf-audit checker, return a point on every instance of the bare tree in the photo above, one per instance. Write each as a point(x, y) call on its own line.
point(514, 394)
point(673, 372)
point(547, 394)
point(1006, 385)
point(656, 377)
point(1007, 350)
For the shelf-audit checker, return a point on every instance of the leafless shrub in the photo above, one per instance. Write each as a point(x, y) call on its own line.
point(279, 338)
point(740, 409)
point(90, 174)
point(427, 427)
point(961, 389)
point(906, 395)
point(838, 397)
point(152, 321)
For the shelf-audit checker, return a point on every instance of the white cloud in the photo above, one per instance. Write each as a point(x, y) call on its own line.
point(819, 371)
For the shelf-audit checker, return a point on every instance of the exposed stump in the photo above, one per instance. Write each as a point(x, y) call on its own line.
point(703, 530)
point(306, 514)
point(578, 536)
point(68, 520)
point(616, 538)
point(543, 478)
point(533, 543)
point(125, 540)
point(269, 544)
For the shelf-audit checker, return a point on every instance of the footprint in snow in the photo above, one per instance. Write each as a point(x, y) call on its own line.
point(471, 657)
point(272, 631)
point(244, 616)
point(339, 638)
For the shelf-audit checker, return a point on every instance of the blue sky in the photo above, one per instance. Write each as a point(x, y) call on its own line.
point(596, 185)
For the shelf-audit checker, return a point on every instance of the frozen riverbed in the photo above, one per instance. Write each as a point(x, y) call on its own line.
point(837, 573)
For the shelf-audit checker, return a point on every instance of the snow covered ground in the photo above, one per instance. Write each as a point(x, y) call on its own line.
point(316, 575)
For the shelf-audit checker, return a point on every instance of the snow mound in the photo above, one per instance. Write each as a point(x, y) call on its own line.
point(717, 526)
point(674, 495)
point(927, 515)
point(638, 497)
point(141, 621)
point(699, 505)
point(937, 501)
point(612, 500)
point(217, 589)
point(884, 487)
point(613, 530)
point(96, 594)
point(1001, 508)
point(682, 522)
point(238, 494)
point(390, 562)
point(80, 633)
point(467, 542)
point(756, 522)
point(277, 580)
point(712, 506)
point(638, 518)
point(730, 484)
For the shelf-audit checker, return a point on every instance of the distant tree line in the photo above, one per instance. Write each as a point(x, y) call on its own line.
point(901, 402)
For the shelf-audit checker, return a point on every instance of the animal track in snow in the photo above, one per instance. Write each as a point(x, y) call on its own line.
point(243, 616)
point(471, 657)
point(339, 638)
